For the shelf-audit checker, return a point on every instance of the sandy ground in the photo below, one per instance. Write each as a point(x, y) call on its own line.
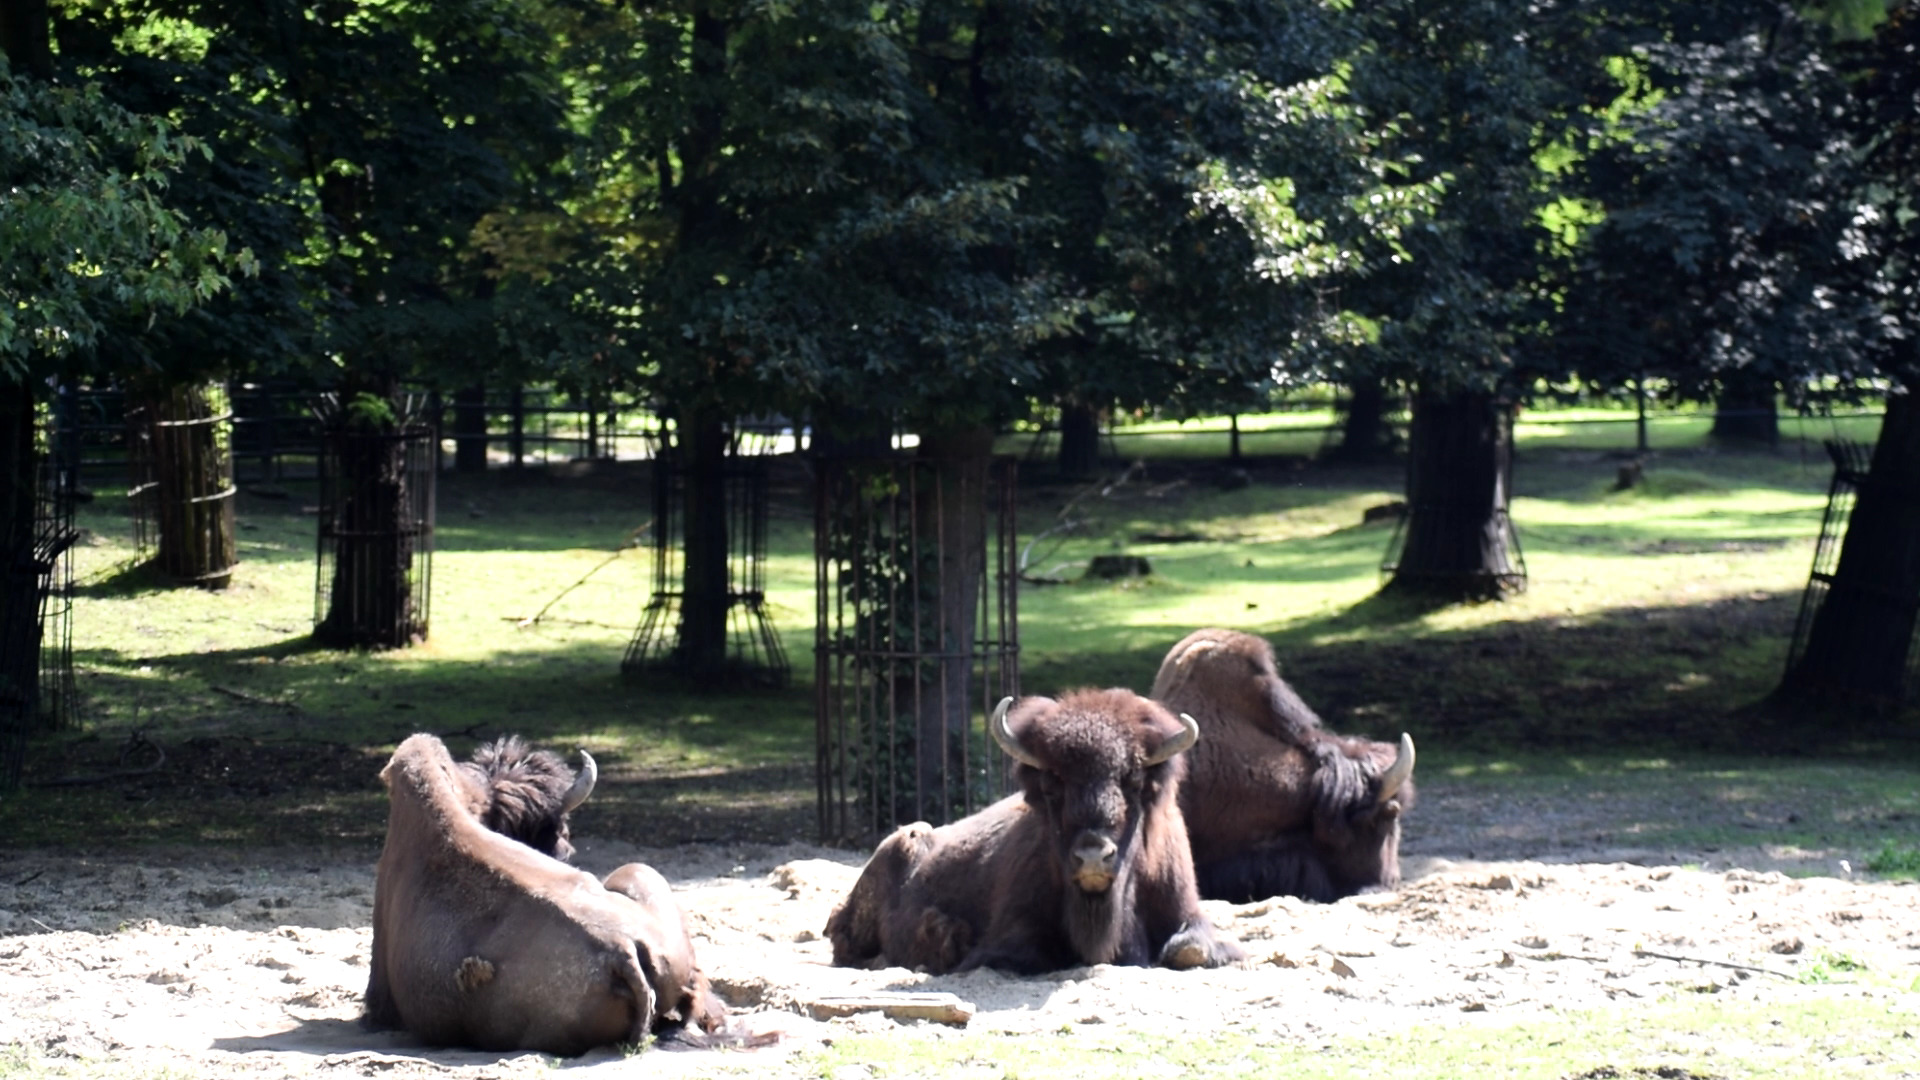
point(215, 965)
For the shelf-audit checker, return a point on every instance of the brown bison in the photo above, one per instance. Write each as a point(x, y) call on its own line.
point(1274, 803)
point(481, 941)
point(1088, 864)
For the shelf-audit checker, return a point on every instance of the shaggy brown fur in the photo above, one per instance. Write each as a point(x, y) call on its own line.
point(480, 941)
point(1087, 865)
point(1274, 803)
point(520, 792)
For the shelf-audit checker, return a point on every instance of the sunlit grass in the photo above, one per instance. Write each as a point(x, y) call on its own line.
point(1652, 617)
point(1829, 1035)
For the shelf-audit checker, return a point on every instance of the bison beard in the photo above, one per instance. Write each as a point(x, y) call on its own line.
point(1099, 771)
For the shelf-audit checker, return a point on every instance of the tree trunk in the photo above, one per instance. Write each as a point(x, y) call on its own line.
point(1747, 411)
point(190, 436)
point(370, 519)
point(705, 588)
point(1459, 462)
point(952, 510)
point(1861, 639)
point(1365, 433)
point(1079, 440)
point(470, 430)
point(19, 579)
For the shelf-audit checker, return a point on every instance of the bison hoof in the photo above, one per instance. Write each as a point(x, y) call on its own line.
point(1192, 948)
point(1182, 955)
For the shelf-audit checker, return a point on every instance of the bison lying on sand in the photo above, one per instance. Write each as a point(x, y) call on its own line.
point(481, 941)
point(1088, 864)
point(1274, 803)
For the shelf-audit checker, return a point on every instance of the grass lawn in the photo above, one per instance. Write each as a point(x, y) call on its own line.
point(1655, 620)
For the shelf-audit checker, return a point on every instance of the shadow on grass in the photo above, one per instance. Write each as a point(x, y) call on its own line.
point(1685, 679)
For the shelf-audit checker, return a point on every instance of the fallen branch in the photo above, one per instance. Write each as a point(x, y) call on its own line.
point(254, 699)
point(1065, 525)
point(939, 1007)
point(134, 741)
point(633, 541)
point(1638, 951)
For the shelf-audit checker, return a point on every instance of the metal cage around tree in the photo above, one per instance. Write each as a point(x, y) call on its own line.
point(373, 582)
point(909, 654)
point(754, 654)
point(180, 460)
point(1888, 684)
point(37, 690)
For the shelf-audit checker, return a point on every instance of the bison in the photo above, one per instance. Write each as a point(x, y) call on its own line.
point(479, 940)
point(1087, 864)
point(1274, 803)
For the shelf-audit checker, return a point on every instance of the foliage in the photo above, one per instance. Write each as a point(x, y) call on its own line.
point(87, 241)
point(359, 148)
point(1726, 191)
point(1884, 125)
point(1896, 861)
point(935, 209)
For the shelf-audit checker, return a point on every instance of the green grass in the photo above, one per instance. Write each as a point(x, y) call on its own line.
point(1831, 1036)
point(1896, 861)
point(1655, 620)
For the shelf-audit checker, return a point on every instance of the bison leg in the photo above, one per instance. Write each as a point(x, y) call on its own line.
point(1195, 945)
point(1285, 867)
point(858, 926)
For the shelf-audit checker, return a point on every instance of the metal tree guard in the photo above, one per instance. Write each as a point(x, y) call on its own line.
point(374, 574)
point(1852, 465)
point(36, 676)
point(179, 454)
point(882, 643)
point(754, 652)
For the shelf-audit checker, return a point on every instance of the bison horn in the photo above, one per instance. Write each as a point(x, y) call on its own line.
point(1398, 772)
point(1003, 735)
point(1189, 734)
point(582, 784)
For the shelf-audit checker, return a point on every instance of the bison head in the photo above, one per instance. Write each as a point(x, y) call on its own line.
point(1358, 831)
point(526, 794)
point(1094, 763)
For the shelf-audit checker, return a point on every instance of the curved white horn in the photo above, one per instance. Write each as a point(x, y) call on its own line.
point(1398, 772)
point(1189, 734)
point(582, 784)
point(1003, 735)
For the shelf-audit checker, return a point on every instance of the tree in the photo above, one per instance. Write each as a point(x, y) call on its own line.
point(86, 243)
point(1860, 641)
point(1466, 95)
point(1722, 187)
point(365, 148)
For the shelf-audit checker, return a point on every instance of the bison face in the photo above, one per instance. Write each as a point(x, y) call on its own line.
point(1091, 764)
point(1361, 844)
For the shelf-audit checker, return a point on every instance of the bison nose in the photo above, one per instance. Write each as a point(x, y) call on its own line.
point(1094, 857)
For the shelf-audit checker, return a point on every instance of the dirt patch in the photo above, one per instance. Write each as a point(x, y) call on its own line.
point(225, 965)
